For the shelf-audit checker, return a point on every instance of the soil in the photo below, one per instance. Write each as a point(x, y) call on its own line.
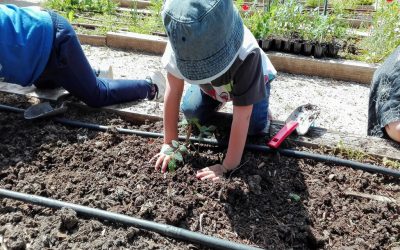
point(271, 201)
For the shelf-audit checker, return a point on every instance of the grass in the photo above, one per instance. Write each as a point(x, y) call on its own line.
point(361, 156)
point(391, 163)
point(108, 19)
point(350, 153)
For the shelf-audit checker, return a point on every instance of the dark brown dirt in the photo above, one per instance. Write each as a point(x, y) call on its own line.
point(269, 202)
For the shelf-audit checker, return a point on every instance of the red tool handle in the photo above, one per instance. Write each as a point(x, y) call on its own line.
point(282, 134)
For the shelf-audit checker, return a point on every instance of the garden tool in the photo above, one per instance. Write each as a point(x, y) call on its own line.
point(301, 119)
point(44, 109)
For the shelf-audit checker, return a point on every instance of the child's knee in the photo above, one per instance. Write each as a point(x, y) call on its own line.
point(393, 130)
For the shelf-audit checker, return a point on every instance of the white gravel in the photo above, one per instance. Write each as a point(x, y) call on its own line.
point(344, 105)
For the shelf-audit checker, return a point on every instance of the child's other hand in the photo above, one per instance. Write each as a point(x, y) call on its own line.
point(213, 172)
point(162, 159)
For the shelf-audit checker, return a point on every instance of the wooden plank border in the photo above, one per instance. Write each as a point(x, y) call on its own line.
point(338, 69)
point(344, 70)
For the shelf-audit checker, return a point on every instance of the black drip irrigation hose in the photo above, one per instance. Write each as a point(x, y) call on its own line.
point(260, 148)
point(172, 231)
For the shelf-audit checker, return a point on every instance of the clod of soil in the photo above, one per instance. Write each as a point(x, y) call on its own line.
point(69, 220)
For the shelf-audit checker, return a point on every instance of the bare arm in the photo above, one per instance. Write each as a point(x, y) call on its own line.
point(238, 136)
point(237, 140)
point(172, 99)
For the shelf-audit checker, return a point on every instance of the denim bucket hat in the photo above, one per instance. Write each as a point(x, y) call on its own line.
point(205, 35)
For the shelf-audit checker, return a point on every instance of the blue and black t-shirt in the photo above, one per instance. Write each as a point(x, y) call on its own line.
point(26, 38)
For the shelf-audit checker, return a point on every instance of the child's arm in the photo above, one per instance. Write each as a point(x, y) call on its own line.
point(172, 99)
point(237, 140)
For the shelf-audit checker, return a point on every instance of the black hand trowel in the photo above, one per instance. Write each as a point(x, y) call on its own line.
point(43, 110)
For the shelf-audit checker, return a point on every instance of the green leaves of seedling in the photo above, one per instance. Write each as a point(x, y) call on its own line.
point(294, 197)
point(175, 144)
point(176, 152)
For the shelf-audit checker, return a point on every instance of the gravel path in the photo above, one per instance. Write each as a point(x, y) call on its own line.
point(344, 105)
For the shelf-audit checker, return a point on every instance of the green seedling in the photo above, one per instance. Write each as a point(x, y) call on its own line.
point(391, 163)
point(294, 197)
point(204, 131)
point(349, 152)
point(176, 152)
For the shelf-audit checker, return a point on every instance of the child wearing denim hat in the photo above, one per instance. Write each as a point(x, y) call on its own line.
point(210, 48)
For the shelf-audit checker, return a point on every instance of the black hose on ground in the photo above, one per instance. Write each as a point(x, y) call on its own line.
point(171, 231)
point(260, 148)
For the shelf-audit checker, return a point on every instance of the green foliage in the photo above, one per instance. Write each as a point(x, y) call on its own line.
point(73, 6)
point(339, 4)
point(258, 23)
point(385, 33)
point(391, 163)
point(342, 149)
point(314, 3)
point(325, 28)
point(204, 131)
point(290, 20)
point(176, 152)
point(286, 19)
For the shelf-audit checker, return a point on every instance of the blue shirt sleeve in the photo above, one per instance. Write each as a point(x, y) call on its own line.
point(26, 39)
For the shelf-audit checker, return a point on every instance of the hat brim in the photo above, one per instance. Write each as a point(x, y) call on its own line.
point(209, 67)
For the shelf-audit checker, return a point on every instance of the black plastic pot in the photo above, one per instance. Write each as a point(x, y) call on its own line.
point(307, 48)
point(332, 49)
point(277, 44)
point(286, 46)
point(319, 50)
point(297, 47)
point(260, 42)
point(267, 44)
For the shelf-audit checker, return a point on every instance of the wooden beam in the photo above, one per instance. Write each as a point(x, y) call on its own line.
point(344, 70)
point(141, 42)
point(92, 40)
point(133, 3)
point(318, 137)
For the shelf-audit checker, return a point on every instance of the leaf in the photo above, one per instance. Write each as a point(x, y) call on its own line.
point(169, 151)
point(175, 144)
point(184, 122)
point(182, 148)
point(294, 197)
point(212, 128)
point(178, 156)
point(171, 166)
point(207, 133)
point(71, 16)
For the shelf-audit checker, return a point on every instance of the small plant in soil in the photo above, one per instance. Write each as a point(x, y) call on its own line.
point(204, 131)
point(342, 149)
point(176, 152)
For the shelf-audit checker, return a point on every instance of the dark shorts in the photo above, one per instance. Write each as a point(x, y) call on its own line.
point(384, 101)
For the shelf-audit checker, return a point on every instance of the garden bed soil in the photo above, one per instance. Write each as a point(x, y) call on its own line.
point(270, 201)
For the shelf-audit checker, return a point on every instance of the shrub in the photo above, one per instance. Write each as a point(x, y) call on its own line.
point(384, 34)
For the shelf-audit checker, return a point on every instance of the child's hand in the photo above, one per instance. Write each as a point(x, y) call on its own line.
point(162, 159)
point(213, 172)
